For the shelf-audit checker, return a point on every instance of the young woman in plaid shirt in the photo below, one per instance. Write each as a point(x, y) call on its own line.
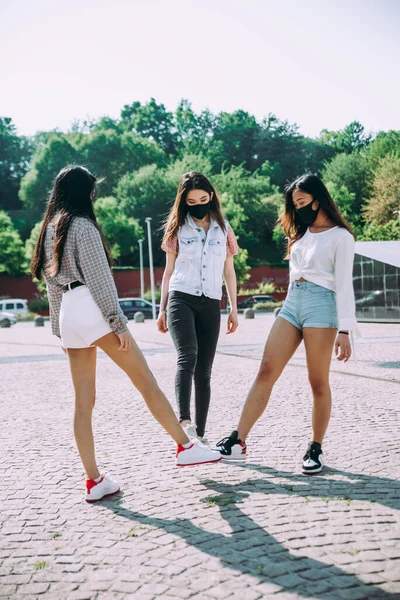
point(72, 255)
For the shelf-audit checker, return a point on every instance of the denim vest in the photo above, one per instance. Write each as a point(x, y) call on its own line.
point(199, 266)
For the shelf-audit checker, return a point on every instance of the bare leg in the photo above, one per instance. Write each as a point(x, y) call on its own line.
point(319, 346)
point(82, 363)
point(282, 343)
point(135, 366)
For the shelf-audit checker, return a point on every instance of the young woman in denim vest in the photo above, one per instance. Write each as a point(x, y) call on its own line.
point(73, 257)
point(199, 247)
point(320, 302)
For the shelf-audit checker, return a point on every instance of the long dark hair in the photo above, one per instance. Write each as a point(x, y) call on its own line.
point(292, 226)
point(71, 196)
point(179, 211)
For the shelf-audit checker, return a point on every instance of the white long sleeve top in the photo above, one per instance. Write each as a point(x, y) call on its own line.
point(326, 259)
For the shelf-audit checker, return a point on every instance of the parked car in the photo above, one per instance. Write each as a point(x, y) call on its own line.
point(15, 306)
point(7, 319)
point(249, 302)
point(130, 306)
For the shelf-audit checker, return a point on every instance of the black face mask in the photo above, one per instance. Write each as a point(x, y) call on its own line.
point(307, 214)
point(199, 211)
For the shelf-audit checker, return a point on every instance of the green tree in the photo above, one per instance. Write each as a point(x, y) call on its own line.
point(343, 198)
point(12, 252)
point(194, 131)
point(189, 162)
point(233, 140)
point(122, 232)
point(47, 161)
point(152, 121)
point(30, 243)
point(247, 205)
point(352, 138)
point(386, 142)
point(378, 233)
point(385, 198)
point(148, 192)
point(111, 154)
point(15, 153)
point(280, 146)
point(242, 266)
point(350, 171)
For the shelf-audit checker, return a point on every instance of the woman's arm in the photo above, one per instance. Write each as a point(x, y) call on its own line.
point(231, 286)
point(344, 258)
point(345, 305)
point(169, 269)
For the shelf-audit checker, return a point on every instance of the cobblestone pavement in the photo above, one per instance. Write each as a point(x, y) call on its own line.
point(256, 530)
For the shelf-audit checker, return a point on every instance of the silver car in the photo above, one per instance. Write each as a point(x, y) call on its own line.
point(7, 319)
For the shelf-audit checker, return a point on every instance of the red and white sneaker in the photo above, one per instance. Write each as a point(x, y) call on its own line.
point(103, 488)
point(196, 454)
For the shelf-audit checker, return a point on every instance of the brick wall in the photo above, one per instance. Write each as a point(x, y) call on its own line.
point(128, 282)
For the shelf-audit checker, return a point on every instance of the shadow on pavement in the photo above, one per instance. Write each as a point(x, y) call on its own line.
point(250, 549)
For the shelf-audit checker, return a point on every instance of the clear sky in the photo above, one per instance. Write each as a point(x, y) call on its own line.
point(318, 63)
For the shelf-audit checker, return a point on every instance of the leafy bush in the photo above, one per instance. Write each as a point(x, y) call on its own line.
point(38, 305)
point(262, 288)
point(26, 318)
point(267, 305)
point(157, 295)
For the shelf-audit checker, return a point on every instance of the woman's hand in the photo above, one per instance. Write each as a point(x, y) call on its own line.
point(343, 347)
point(233, 322)
point(125, 339)
point(162, 322)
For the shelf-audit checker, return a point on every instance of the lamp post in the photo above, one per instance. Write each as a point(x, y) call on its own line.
point(141, 269)
point(153, 299)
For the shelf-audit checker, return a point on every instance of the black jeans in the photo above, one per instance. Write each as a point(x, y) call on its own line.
point(194, 324)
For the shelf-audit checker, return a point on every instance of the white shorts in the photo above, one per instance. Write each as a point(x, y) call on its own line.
point(81, 321)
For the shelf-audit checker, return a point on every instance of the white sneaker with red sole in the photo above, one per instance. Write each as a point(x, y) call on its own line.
point(196, 454)
point(103, 488)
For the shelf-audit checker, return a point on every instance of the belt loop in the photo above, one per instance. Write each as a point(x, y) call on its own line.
point(69, 286)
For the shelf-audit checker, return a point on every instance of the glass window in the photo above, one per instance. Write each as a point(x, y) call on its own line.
point(10, 306)
point(125, 303)
point(20, 305)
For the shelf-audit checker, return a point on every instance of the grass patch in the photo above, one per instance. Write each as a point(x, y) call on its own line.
point(55, 535)
point(41, 565)
point(260, 569)
point(218, 500)
point(132, 533)
point(354, 552)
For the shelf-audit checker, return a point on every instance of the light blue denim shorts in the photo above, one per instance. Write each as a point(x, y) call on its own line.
point(310, 305)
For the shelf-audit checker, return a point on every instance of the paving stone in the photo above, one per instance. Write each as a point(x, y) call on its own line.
point(240, 531)
point(33, 589)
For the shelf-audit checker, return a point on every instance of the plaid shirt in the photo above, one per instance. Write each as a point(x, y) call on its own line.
point(85, 260)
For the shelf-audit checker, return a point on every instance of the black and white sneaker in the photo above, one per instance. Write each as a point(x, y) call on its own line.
point(231, 448)
point(312, 460)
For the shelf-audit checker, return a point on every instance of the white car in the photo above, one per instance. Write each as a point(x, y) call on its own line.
point(7, 319)
point(17, 306)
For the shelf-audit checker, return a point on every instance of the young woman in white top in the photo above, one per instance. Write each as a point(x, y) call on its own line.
point(199, 246)
point(318, 309)
point(73, 256)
